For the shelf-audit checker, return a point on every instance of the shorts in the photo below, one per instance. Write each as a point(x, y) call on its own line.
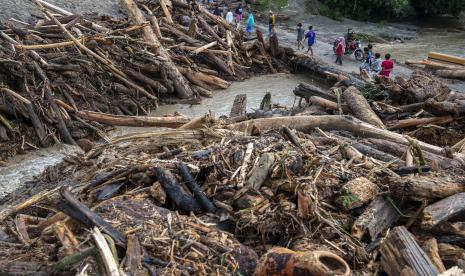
point(249, 29)
point(310, 45)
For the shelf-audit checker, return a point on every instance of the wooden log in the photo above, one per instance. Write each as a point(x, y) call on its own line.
point(336, 122)
point(199, 195)
point(328, 104)
point(456, 108)
point(416, 122)
point(208, 79)
point(159, 88)
point(166, 11)
point(360, 107)
point(378, 216)
point(137, 121)
point(443, 210)
point(239, 107)
point(83, 214)
point(306, 90)
point(447, 58)
point(356, 193)
point(261, 170)
point(451, 74)
point(430, 247)
point(401, 255)
point(261, 48)
point(432, 64)
point(209, 51)
point(211, 32)
point(204, 47)
point(182, 88)
point(172, 188)
point(134, 253)
point(425, 187)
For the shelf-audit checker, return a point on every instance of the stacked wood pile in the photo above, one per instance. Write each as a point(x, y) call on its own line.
point(287, 195)
point(59, 74)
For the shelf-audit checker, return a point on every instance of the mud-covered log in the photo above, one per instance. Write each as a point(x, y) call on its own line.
point(378, 216)
point(182, 88)
point(199, 195)
point(261, 170)
point(443, 210)
point(360, 107)
point(172, 188)
point(401, 255)
point(425, 187)
point(139, 121)
point(356, 193)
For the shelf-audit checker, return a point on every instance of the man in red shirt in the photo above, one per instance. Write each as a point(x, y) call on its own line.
point(386, 66)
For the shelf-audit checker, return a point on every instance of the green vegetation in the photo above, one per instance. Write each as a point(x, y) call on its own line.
point(275, 5)
point(385, 9)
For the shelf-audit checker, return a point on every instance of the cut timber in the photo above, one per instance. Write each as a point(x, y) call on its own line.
point(401, 255)
point(451, 74)
point(447, 58)
point(356, 193)
point(432, 64)
point(425, 187)
point(360, 107)
point(415, 122)
point(336, 122)
point(181, 85)
point(239, 106)
point(261, 170)
point(431, 248)
point(443, 210)
point(377, 217)
point(138, 121)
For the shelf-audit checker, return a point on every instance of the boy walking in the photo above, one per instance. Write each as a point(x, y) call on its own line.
point(300, 36)
point(311, 38)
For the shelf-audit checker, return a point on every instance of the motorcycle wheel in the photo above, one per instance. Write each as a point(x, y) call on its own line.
point(359, 55)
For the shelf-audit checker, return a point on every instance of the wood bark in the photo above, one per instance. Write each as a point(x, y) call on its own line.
point(401, 255)
point(306, 90)
point(359, 106)
point(239, 107)
point(378, 216)
point(431, 249)
point(138, 121)
point(315, 100)
point(425, 187)
point(182, 88)
point(443, 210)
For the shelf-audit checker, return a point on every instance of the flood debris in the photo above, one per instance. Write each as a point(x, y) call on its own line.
point(251, 194)
point(68, 77)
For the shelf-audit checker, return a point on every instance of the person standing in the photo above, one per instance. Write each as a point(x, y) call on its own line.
point(386, 66)
point(311, 38)
point(300, 36)
point(271, 21)
point(217, 11)
point(366, 65)
point(376, 65)
point(250, 23)
point(239, 13)
point(229, 16)
point(340, 50)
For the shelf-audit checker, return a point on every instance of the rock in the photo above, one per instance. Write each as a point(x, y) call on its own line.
point(85, 144)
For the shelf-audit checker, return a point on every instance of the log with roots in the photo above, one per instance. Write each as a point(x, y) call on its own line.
point(360, 108)
point(336, 122)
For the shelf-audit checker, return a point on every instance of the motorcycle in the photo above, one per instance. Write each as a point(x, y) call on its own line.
point(354, 48)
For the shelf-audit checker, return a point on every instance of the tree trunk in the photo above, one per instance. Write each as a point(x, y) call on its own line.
point(138, 121)
point(360, 107)
point(182, 88)
point(451, 74)
point(306, 90)
point(443, 210)
point(401, 255)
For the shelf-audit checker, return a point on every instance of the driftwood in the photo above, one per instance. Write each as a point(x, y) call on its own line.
point(443, 210)
point(182, 200)
point(378, 216)
point(416, 122)
point(359, 106)
point(306, 90)
point(401, 255)
point(425, 187)
point(140, 121)
point(432, 64)
point(456, 108)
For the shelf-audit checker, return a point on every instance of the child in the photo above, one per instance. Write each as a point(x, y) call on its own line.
point(300, 36)
point(376, 65)
point(367, 62)
point(340, 50)
point(239, 13)
point(311, 36)
point(386, 66)
point(250, 23)
point(229, 16)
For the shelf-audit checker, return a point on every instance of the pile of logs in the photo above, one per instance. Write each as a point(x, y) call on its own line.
point(60, 73)
point(442, 65)
point(293, 195)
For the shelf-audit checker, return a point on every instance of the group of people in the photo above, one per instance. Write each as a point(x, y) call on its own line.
point(309, 36)
point(373, 66)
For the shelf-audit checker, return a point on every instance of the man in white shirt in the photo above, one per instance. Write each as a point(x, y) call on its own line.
point(229, 16)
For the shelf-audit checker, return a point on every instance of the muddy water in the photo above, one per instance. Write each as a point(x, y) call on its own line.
point(24, 167)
